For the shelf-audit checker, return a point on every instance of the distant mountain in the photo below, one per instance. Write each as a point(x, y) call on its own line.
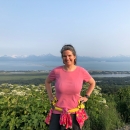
point(50, 57)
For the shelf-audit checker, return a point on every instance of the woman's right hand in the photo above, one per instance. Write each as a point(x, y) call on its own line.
point(53, 102)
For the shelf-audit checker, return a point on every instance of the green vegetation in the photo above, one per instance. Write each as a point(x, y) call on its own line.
point(21, 75)
point(102, 112)
point(23, 78)
point(23, 107)
point(111, 85)
point(123, 103)
point(24, 103)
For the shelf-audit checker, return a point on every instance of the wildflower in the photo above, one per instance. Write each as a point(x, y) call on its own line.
point(103, 100)
point(21, 93)
point(96, 92)
point(97, 87)
point(28, 88)
point(2, 93)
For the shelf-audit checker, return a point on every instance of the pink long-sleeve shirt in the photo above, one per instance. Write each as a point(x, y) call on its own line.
point(68, 85)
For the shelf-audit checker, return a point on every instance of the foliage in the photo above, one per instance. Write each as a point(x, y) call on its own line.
point(23, 78)
point(102, 114)
point(110, 85)
point(123, 103)
point(23, 107)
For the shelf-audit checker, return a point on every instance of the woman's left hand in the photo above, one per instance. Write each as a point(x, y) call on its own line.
point(83, 99)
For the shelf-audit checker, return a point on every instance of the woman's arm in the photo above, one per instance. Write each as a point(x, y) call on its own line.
point(49, 89)
point(91, 86)
point(89, 91)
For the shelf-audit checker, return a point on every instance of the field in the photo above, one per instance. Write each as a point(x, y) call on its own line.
point(23, 78)
point(21, 75)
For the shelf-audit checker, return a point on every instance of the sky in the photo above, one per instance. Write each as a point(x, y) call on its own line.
point(96, 28)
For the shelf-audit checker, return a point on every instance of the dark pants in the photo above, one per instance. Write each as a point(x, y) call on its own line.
point(54, 124)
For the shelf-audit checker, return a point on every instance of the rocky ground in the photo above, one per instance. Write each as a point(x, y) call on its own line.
point(126, 127)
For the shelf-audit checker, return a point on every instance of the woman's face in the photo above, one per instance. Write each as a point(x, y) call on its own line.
point(68, 58)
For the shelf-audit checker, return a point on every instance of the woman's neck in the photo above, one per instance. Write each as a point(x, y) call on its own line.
point(70, 68)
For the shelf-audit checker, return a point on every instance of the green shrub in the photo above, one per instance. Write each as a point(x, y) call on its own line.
point(25, 108)
point(123, 103)
point(102, 114)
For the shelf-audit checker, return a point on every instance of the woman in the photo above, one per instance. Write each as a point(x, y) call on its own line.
point(68, 112)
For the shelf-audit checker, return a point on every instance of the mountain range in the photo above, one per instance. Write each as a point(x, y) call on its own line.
point(50, 57)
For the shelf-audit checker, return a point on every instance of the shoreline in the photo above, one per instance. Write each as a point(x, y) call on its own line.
point(93, 72)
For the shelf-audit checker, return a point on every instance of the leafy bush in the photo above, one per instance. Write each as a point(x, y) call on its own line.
point(123, 103)
point(102, 114)
point(25, 108)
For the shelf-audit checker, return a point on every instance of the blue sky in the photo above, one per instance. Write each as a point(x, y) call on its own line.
point(95, 28)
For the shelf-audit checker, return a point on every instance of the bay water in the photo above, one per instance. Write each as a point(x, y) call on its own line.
point(49, 65)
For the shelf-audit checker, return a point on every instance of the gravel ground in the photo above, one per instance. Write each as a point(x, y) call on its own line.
point(126, 127)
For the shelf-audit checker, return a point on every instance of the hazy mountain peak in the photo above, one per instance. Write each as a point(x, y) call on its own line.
point(49, 54)
point(18, 56)
point(50, 57)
